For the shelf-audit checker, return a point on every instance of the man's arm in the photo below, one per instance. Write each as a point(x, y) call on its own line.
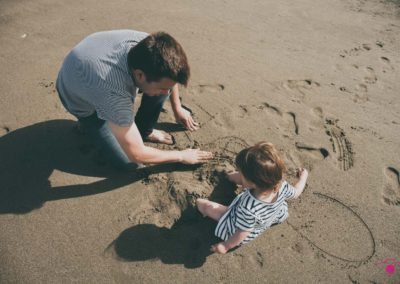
point(230, 243)
point(181, 115)
point(131, 142)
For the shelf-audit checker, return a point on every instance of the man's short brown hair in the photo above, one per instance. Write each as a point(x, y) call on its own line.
point(262, 165)
point(159, 56)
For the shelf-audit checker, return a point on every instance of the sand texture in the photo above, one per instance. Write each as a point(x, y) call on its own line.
point(319, 79)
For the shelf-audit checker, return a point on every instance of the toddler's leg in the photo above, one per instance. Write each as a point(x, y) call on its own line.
point(211, 209)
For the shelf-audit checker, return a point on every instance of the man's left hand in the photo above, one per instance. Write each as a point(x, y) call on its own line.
point(184, 117)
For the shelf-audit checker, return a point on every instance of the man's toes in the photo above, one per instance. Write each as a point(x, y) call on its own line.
point(168, 138)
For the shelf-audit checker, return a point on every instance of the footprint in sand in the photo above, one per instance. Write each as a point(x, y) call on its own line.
point(302, 87)
point(370, 78)
point(361, 95)
point(316, 123)
point(340, 144)
point(391, 188)
point(257, 259)
point(355, 51)
point(333, 228)
point(385, 60)
point(286, 120)
point(360, 91)
point(386, 64)
point(206, 88)
point(306, 155)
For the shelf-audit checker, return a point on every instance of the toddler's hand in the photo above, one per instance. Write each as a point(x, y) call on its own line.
point(302, 173)
point(219, 248)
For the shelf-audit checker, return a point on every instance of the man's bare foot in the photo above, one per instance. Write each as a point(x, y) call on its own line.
point(160, 136)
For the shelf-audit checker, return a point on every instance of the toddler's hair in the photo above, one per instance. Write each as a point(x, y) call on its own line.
point(262, 165)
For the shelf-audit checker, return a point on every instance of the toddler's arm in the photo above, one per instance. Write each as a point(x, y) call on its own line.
point(230, 243)
point(301, 183)
point(235, 178)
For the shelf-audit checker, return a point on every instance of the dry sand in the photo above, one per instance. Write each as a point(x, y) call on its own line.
point(320, 79)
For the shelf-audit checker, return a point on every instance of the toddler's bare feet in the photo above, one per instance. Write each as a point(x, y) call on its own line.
point(160, 136)
point(219, 248)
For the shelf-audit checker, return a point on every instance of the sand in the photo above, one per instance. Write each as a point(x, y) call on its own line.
point(319, 79)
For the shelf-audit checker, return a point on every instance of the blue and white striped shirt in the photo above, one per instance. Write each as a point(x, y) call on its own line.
point(250, 214)
point(95, 77)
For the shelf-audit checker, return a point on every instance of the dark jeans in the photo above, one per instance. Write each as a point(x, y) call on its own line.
point(100, 133)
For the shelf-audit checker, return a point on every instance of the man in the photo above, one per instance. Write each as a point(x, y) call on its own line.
point(98, 83)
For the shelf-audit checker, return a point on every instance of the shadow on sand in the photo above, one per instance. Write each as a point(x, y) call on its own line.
point(187, 242)
point(29, 156)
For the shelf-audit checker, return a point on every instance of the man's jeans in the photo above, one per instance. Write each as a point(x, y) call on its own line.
point(100, 133)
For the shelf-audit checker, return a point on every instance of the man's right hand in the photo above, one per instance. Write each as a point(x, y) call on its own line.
point(195, 156)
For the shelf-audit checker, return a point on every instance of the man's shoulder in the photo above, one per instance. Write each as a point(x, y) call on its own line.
point(118, 34)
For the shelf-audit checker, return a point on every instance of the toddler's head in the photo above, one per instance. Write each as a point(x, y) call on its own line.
point(261, 165)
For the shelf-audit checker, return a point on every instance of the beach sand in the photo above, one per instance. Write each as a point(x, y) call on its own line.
point(319, 79)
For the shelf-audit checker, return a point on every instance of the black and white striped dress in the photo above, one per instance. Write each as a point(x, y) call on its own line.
point(247, 213)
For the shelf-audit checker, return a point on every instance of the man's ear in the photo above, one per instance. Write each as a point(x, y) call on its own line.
point(139, 76)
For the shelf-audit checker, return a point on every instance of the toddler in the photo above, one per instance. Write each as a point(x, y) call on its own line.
point(261, 205)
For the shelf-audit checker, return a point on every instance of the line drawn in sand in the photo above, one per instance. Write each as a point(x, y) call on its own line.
point(359, 253)
point(323, 152)
point(340, 144)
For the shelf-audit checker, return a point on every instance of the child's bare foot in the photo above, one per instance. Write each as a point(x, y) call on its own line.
point(219, 248)
point(160, 136)
point(235, 177)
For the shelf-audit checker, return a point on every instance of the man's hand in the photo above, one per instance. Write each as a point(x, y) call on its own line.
point(184, 117)
point(195, 156)
point(219, 248)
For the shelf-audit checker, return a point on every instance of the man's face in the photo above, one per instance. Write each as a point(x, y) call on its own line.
point(162, 87)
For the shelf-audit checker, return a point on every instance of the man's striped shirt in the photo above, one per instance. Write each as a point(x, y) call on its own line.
point(95, 77)
point(247, 213)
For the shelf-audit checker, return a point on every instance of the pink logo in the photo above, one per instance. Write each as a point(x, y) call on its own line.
point(390, 265)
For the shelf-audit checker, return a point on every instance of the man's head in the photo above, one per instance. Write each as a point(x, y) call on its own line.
point(158, 62)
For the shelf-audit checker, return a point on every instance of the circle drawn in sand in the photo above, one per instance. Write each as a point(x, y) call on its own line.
point(333, 228)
